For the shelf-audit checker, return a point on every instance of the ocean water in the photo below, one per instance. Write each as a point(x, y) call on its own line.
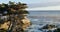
point(42, 18)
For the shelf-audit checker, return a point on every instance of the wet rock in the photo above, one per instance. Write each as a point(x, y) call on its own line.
point(58, 30)
point(49, 28)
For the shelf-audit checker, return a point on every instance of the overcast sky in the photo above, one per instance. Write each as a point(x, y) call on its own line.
point(39, 4)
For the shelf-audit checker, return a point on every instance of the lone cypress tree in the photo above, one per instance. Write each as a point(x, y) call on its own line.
point(15, 12)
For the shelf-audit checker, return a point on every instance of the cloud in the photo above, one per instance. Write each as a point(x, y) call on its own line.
point(45, 8)
point(43, 4)
point(47, 5)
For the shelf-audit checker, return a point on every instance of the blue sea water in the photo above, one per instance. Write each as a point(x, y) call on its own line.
point(41, 18)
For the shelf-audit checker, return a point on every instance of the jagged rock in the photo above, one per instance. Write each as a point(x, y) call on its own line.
point(26, 23)
point(5, 25)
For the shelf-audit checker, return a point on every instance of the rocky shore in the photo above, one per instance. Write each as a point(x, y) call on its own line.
point(43, 28)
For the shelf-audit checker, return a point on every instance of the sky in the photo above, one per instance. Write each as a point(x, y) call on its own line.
point(38, 4)
point(24, 1)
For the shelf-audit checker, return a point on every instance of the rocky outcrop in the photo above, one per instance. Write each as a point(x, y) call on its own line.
point(49, 28)
point(26, 23)
point(21, 25)
point(17, 25)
